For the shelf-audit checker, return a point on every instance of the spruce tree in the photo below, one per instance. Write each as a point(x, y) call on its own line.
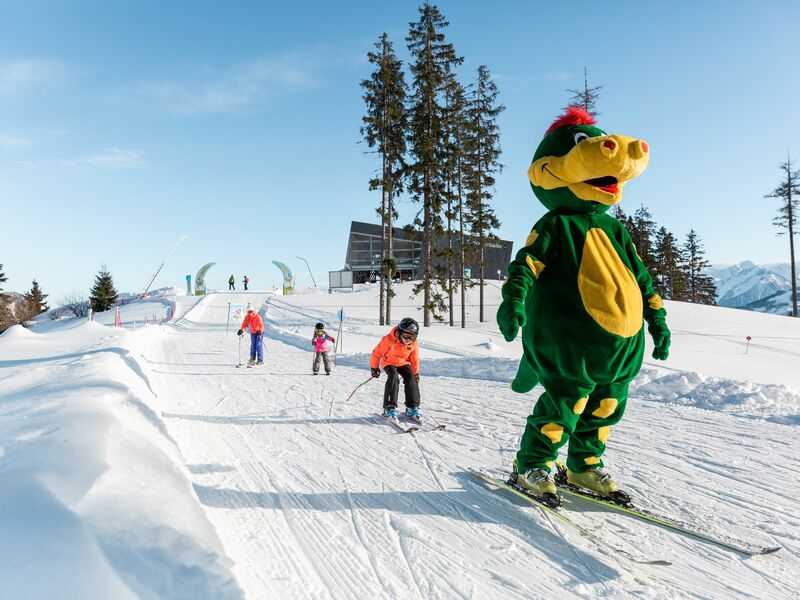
point(34, 301)
point(789, 193)
point(432, 59)
point(457, 159)
point(642, 229)
point(587, 97)
point(103, 294)
point(620, 215)
point(701, 288)
point(484, 152)
point(384, 129)
point(454, 106)
point(669, 279)
point(6, 318)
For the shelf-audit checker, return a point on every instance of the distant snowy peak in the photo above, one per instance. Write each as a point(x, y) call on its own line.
point(763, 288)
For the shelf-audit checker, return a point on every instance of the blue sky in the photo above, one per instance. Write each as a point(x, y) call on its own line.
point(125, 125)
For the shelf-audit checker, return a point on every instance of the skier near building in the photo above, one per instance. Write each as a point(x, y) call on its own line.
point(398, 354)
point(231, 283)
point(245, 281)
point(320, 341)
point(253, 322)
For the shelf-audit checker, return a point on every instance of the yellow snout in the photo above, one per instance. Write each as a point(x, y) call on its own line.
point(595, 169)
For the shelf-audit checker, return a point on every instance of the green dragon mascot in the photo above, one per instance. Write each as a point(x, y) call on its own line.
point(580, 293)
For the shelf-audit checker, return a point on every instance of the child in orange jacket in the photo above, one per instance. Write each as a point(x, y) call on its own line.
point(253, 322)
point(398, 354)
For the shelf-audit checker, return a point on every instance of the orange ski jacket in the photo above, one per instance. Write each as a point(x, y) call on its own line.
point(391, 351)
point(254, 322)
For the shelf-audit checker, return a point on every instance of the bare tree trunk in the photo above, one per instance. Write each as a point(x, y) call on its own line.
point(382, 301)
point(390, 248)
point(450, 245)
point(481, 225)
point(427, 246)
point(790, 214)
point(461, 254)
point(481, 245)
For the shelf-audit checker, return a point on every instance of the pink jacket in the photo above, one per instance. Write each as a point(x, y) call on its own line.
point(321, 342)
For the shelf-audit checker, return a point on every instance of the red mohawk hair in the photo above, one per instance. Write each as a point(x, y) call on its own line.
point(574, 115)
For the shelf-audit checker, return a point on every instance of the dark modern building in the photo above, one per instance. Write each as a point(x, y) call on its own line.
point(364, 254)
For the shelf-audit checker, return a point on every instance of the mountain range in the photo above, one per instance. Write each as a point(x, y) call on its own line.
point(762, 288)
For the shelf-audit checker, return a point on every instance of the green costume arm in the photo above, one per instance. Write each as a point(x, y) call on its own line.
point(654, 312)
point(522, 273)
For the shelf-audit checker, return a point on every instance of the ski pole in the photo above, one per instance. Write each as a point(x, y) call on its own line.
point(358, 386)
point(240, 351)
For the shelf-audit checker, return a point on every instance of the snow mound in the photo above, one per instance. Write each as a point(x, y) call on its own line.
point(17, 332)
point(490, 346)
point(92, 484)
point(777, 403)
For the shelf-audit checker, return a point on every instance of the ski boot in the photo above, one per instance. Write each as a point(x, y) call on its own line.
point(538, 483)
point(314, 372)
point(251, 362)
point(259, 362)
point(390, 413)
point(412, 412)
point(327, 372)
point(598, 483)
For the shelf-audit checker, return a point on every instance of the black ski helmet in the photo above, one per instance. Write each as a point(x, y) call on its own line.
point(408, 325)
point(319, 326)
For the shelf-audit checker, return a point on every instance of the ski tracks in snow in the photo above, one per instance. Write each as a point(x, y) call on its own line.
point(316, 498)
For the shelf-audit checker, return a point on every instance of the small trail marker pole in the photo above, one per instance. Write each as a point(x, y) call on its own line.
point(747, 348)
point(339, 332)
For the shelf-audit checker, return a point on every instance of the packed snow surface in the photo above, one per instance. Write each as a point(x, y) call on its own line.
point(144, 463)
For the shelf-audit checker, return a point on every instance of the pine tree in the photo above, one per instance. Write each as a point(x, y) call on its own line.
point(669, 279)
point(34, 303)
point(642, 229)
point(384, 128)
point(484, 152)
point(789, 193)
point(103, 294)
point(6, 318)
point(457, 160)
point(587, 97)
point(454, 118)
point(701, 288)
point(433, 59)
point(619, 214)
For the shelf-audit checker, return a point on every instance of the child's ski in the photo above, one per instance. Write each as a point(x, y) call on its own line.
point(589, 535)
point(396, 422)
point(425, 424)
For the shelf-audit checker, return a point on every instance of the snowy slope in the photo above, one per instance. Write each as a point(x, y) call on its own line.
point(314, 497)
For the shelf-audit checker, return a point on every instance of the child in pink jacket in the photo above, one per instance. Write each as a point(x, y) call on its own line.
point(320, 343)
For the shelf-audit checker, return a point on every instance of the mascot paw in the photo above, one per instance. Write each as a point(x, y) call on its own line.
point(661, 351)
point(510, 317)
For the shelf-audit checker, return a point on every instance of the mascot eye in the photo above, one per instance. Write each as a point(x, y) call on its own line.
point(580, 136)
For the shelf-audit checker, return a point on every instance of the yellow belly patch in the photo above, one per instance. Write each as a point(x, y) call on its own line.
point(608, 289)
